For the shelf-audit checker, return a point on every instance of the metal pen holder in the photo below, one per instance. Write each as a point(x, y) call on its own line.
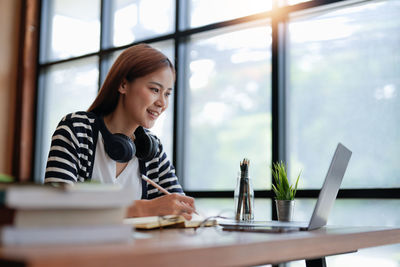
point(244, 195)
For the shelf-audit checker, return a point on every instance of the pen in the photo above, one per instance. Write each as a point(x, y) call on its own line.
point(147, 179)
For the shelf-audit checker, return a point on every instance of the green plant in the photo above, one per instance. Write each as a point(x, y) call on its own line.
point(282, 189)
point(5, 178)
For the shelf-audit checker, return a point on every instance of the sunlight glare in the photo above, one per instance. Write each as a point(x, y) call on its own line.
point(127, 16)
point(68, 29)
point(201, 73)
point(325, 30)
point(209, 11)
point(155, 19)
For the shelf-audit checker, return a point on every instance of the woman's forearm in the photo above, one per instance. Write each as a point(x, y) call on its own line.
point(139, 208)
point(163, 205)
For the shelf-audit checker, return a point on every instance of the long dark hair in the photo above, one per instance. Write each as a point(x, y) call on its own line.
point(136, 61)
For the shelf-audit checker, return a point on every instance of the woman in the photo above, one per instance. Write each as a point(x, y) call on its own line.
point(97, 145)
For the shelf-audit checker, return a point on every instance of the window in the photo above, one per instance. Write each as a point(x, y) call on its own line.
point(229, 116)
point(344, 63)
point(264, 79)
point(205, 12)
point(64, 88)
point(74, 60)
point(132, 21)
point(69, 29)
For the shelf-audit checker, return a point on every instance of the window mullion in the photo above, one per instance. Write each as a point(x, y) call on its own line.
point(278, 101)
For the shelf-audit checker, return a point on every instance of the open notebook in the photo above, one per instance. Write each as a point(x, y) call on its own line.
point(170, 221)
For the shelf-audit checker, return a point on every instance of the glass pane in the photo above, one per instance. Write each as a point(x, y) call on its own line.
point(354, 212)
point(202, 12)
point(360, 212)
point(384, 256)
point(229, 109)
point(164, 125)
point(134, 20)
point(70, 28)
point(291, 2)
point(344, 87)
point(225, 207)
point(66, 88)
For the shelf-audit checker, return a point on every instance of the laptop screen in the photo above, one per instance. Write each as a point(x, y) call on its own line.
point(330, 187)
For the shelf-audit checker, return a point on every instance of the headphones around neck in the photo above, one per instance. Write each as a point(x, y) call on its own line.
point(121, 148)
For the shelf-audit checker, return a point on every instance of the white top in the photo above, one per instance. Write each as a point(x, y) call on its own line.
point(104, 171)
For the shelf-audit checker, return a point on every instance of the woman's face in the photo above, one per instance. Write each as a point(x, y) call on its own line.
point(145, 98)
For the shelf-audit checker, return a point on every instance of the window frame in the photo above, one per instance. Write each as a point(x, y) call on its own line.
point(278, 16)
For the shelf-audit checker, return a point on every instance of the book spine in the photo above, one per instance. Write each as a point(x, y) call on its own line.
point(7, 216)
point(3, 194)
point(65, 235)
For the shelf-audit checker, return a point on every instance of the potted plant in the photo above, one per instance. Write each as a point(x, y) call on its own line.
point(5, 178)
point(284, 192)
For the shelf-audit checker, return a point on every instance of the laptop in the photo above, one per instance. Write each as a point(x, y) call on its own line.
point(322, 208)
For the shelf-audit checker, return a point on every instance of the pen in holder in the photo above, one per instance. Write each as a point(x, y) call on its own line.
point(244, 194)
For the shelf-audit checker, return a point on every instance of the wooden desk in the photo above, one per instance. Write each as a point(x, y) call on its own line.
point(208, 247)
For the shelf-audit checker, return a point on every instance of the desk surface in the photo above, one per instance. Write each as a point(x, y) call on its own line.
point(208, 247)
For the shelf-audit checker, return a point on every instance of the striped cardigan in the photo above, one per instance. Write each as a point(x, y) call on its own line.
point(72, 155)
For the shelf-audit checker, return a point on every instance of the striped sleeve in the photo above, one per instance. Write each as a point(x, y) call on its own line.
point(161, 171)
point(63, 161)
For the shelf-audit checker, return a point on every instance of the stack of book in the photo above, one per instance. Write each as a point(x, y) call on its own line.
point(80, 213)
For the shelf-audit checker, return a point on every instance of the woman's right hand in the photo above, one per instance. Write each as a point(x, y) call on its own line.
point(164, 205)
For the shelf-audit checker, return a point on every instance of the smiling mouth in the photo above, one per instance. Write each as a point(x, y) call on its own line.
point(154, 114)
